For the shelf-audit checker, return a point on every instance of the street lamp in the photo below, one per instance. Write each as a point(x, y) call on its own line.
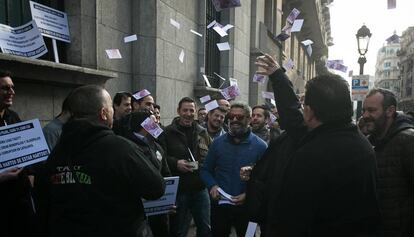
point(363, 35)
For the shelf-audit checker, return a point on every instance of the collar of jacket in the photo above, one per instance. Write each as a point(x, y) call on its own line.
point(327, 128)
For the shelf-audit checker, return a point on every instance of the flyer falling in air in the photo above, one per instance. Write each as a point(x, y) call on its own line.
point(230, 92)
point(152, 127)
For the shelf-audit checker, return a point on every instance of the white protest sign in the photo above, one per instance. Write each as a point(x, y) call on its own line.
point(163, 204)
point(24, 40)
point(51, 22)
point(22, 144)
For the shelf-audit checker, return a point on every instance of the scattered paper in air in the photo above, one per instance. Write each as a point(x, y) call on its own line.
point(113, 53)
point(196, 33)
point(218, 75)
point(213, 23)
point(336, 66)
point(220, 31)
point(233, 81)
point(307, 42)
point(211, 105)
point(350, 73)
point(273, 102)
point(297, 25)
point(268, 95)
point(204, 99)
point(181, 57)
point(225, 4)
point(206, 81)
point(309, 50)
point(230, 92)
point(282, 36)
point(289, 64)
point(259, 78)
point(227, 27)
point(130, 38)
point(174, 23)
point(223, 46)
point(293, 15)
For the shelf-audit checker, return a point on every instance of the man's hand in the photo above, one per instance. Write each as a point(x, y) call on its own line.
point(183, 166)
point(214, 192)
point(245, 172)
point(239, 199)
point(267, 65)
point(10, 174)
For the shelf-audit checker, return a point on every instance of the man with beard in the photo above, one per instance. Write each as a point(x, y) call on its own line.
point(260, 116)
point(392, 135)
point(186, 144)
point(215, 120)
point(227, 154)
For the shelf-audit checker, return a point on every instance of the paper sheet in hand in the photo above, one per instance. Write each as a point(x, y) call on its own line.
point(113, 53)
point(174, 23)
point(230, 92)
point(130, 38)
point(164, 204)
point(251, 229)
point(297, 25)
point(204, 99)
point(211, 105)
point(181, 57)
point(152, 127)
point(22, 144)
point(223, 46)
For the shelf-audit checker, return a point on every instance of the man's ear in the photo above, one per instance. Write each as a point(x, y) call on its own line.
point(308, 113)
point(103, 114)
point(390, 111)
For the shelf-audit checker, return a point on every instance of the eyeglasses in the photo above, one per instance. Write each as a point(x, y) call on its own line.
point(7, 88)
point(237, 116)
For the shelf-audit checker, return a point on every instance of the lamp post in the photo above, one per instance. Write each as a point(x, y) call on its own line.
point(363, 35)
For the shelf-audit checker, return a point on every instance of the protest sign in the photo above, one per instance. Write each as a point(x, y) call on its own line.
point(22, 144)
point(163, 204)
point(24, 40)
point(51, 22)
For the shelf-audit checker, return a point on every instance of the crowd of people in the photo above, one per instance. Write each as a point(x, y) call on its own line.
point(297, 168)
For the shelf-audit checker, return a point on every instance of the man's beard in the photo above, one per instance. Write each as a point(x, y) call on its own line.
point(240, 130)
point(378, 125)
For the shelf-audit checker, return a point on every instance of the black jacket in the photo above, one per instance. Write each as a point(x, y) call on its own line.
point(395, 158)
point(176, 146)
point(17, 218)
point(93, 184)
point(326, 183)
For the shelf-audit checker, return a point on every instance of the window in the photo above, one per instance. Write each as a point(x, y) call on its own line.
point(17, 12)
point(387, 64)
point(212, 53)
point(271, 15)
point(408, 91)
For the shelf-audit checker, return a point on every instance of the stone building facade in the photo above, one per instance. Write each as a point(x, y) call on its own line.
point(387, 72)
point(406, 55)
point(152, 62)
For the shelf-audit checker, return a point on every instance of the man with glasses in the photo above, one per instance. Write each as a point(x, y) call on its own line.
point(17, 211)
point(227, 154)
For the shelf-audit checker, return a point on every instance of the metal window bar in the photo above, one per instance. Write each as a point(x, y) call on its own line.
point(212, 53)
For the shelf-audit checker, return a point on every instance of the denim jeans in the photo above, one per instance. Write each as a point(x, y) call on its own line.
point(196, 205)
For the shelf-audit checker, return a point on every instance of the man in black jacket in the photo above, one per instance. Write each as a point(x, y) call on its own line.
point(326, 184)
point(186, 143)
point(93, 181)
point(392, 135)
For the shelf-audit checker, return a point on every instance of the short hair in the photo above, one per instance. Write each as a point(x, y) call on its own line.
point(266, 112)
point(133, 99)
point(242, 105)
point(185, 100)
point(119, 96)
point(221, 109)
point(86, 102)
point(201, 108)
point(136, 118)
point(157, 106)
point(329, 97)
point(389, 97)
point(5, 73)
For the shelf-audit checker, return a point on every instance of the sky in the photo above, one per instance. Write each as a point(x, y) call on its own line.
point(347, 16)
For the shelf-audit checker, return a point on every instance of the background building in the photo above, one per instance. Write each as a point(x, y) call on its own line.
point(152, 62)
point(387, 72)
point(406, 55)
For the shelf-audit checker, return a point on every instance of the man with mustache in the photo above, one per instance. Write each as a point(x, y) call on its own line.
point(227, 154)
point(392, 135)
point(186, 144)
point(215, 121)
